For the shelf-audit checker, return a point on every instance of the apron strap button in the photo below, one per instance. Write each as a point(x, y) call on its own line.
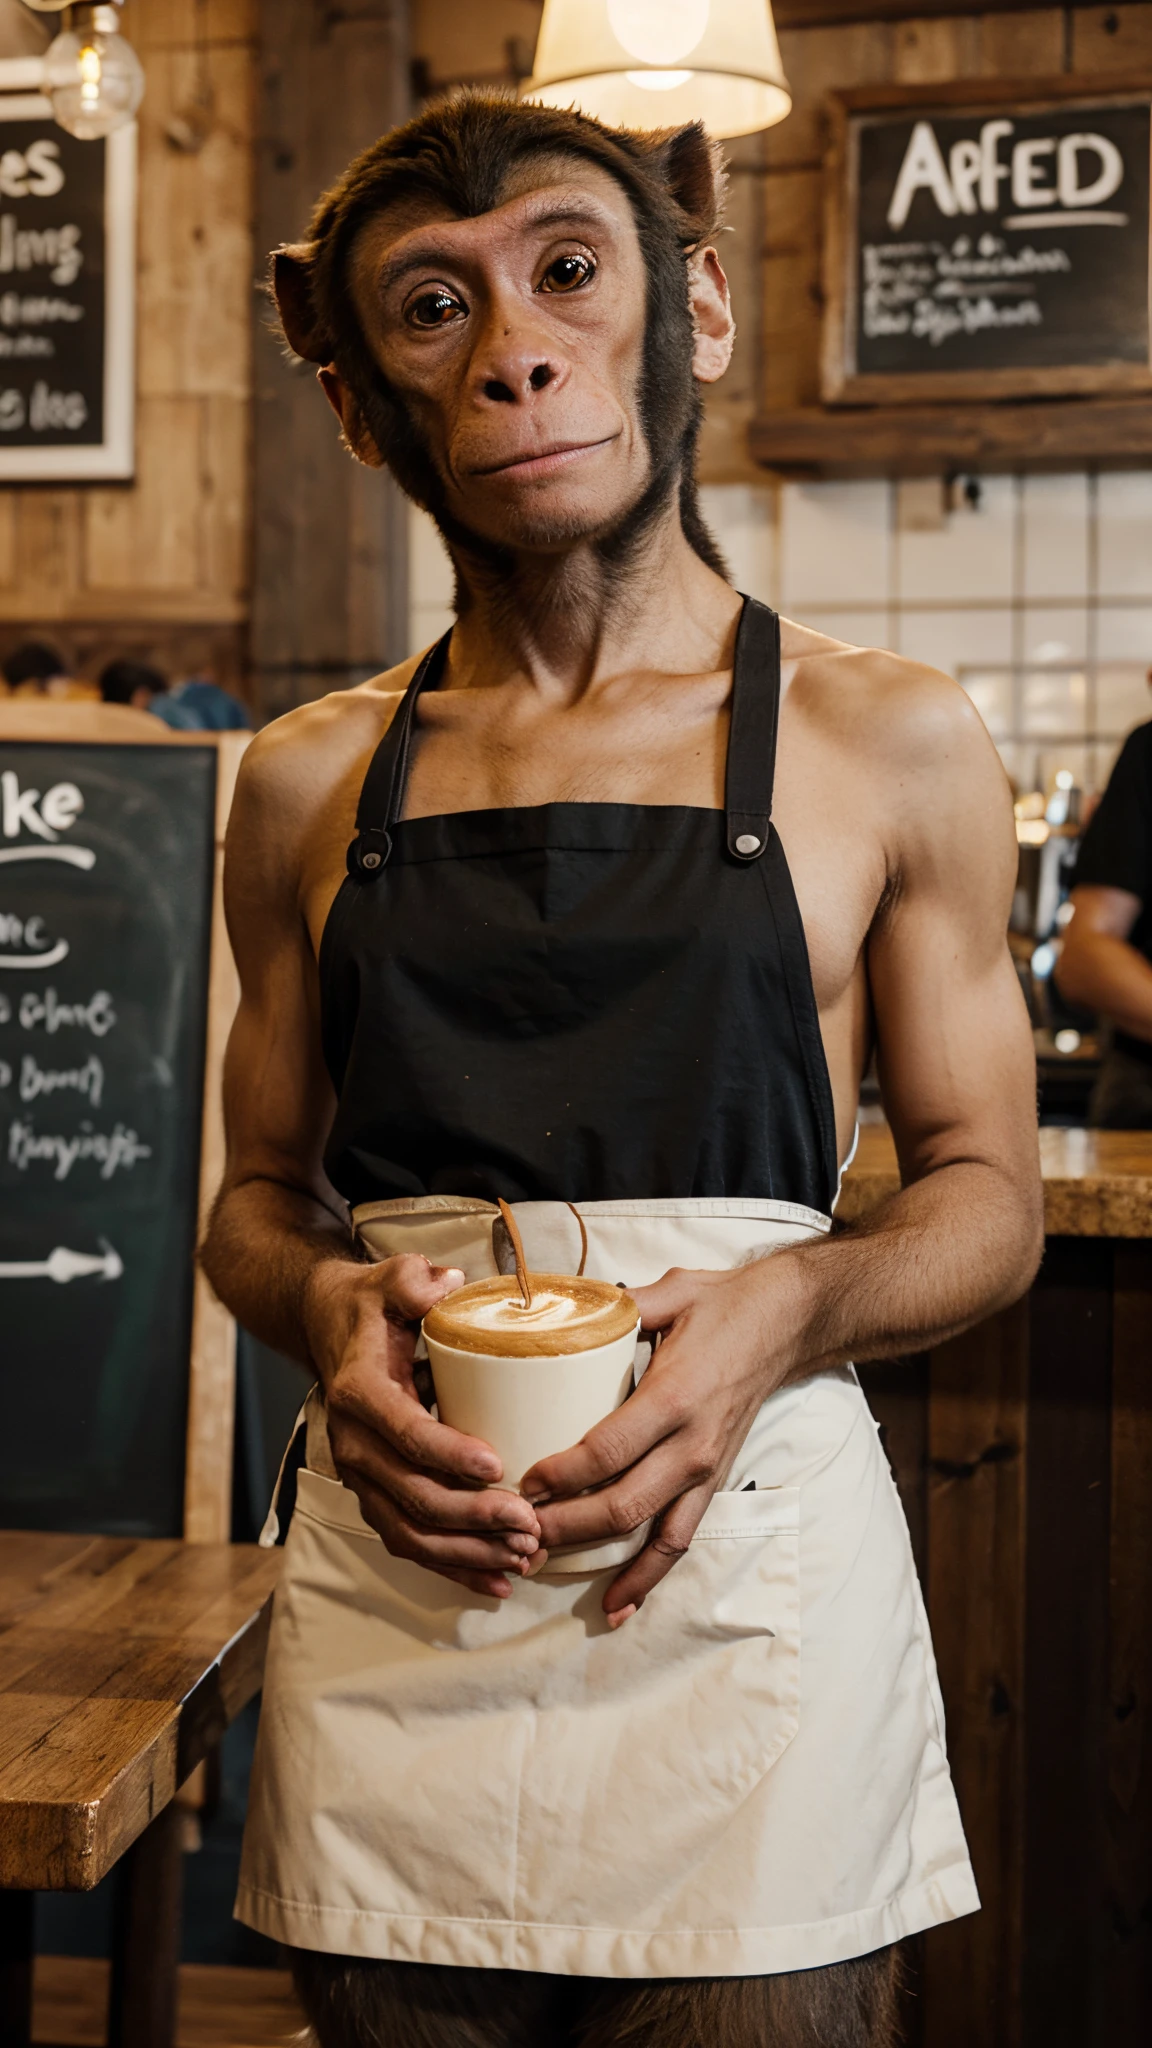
point(747, 843)
point(369, 852)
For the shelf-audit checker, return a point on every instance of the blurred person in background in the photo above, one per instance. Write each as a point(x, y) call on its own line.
point(211, 707)
point(143, 687)
point(1106, 960)
point(36, 669)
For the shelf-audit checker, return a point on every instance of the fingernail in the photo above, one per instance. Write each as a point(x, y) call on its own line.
point(489, 1468)
point(536, 1500)
point(621, 1615)
point(524, 1544)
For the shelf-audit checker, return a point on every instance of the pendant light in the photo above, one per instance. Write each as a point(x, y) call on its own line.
point(92, 75)
point(659, 63)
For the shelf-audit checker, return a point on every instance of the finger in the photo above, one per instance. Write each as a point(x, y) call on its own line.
point(461, 1550)
point(667, 1545)
point(641, 1495)
point(667, 1298)
point(394, 1413)
point(410, 1285)
point(659, 1407)
point(427, 1502)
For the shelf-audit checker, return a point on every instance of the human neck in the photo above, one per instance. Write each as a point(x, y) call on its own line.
point(564, 622)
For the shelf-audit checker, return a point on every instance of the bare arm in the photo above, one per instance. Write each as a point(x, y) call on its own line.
point(280, 1249)
point(1097, 966)
point(961, 1240)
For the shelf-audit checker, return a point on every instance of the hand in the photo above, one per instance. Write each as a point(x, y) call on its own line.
point(665, 1452)
point(426, 1490)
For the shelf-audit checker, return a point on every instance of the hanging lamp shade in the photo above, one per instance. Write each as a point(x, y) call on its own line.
point(659, 63)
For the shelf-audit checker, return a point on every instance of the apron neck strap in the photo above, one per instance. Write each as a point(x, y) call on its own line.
point(382, 794)
point(752, 731)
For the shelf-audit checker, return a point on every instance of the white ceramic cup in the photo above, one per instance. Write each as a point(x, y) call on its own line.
point(530, 1408)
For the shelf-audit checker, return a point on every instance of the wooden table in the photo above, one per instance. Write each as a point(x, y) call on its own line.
point(121, 1664)
point(1023, 1454)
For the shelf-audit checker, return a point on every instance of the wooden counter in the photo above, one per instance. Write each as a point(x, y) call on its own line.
point(1023, 1455)
point(1096, 1183)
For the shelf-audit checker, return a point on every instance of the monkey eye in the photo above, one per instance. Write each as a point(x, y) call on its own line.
point(567, 274)
point(433, 308)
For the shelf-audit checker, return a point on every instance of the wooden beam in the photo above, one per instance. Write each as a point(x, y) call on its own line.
point(828, 13)
point(330, 595)
point(924, 440)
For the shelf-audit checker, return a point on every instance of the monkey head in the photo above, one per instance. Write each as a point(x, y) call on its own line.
point(514, 308)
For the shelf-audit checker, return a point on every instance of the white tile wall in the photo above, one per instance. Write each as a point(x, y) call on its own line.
point(1052, 635)
point(835, 545)
point(430, 582)
point(1125, 534)
point(951, 639)
point(1048, 573)
point(743, 519)
point(972, 555)
point(858, 629)
point(1124, 633)
point(1055, 536)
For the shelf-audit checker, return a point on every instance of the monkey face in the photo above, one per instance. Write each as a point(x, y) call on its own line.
point(515, 342)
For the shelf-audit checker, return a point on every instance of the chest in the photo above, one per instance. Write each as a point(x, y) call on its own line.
point(669, 749)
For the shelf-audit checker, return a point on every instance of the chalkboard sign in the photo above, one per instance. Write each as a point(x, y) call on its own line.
point(66, 296)
point(990, 246)
point(106, 893)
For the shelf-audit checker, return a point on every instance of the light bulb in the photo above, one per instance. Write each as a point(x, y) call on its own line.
point(658, 31)
point(94, 80)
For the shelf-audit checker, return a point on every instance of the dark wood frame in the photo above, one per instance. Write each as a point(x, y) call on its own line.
point(802, 14)
point(842, 383)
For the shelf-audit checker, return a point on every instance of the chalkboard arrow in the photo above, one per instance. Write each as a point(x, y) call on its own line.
point(73, 856)
point(62, 1265)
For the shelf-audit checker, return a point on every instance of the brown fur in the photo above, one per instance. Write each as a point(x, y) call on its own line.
point(460, 153)
point(411, 2005)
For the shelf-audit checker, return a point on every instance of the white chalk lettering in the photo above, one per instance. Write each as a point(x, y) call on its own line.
point(60, 809)
point(56, 409)
point(923, 170)
point(87, 1080)
point(115, 1151)
point(36, 173)
point(56, 250)
point(970, 181)
point(47, 1013)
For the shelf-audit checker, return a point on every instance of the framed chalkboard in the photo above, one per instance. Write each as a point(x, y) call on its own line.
point(67, 293)
point(110, 941)
point(988, 241)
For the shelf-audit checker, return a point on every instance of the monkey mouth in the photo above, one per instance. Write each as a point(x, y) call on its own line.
point(544, 462)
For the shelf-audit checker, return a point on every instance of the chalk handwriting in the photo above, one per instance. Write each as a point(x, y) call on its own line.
point(56, 250)
point(58, 809)
point(114, 1151)
point(46, 1012)
point(932, 290)
point(86, 1080)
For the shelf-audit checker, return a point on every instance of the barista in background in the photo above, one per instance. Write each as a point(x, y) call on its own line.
point(1106, 960)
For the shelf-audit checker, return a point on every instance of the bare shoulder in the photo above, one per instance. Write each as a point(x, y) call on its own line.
point(297, 790)
point(302, 756)
point(913, 730)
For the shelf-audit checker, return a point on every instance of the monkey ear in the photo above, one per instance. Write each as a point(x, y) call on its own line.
point(292, 280)
point(692, 166)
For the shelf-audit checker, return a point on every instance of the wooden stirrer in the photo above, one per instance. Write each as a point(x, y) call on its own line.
point(513, 1229)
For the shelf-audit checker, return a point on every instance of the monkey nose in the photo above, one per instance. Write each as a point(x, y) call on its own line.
point(502, 391)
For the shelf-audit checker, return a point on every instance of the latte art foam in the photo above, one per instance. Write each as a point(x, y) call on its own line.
point(566, 1314)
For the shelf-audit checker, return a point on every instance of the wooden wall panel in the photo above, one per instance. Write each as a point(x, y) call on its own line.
point(1111, 38)
point(330, 603)
point(161, 559)
point(926, 51)
point(1126, 1989)
point(977, 1461)
point(934, 46)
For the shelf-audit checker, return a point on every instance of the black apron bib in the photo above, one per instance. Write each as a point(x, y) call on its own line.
point(578, 1001)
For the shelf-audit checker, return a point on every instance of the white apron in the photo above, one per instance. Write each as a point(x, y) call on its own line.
point(748, 1777)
